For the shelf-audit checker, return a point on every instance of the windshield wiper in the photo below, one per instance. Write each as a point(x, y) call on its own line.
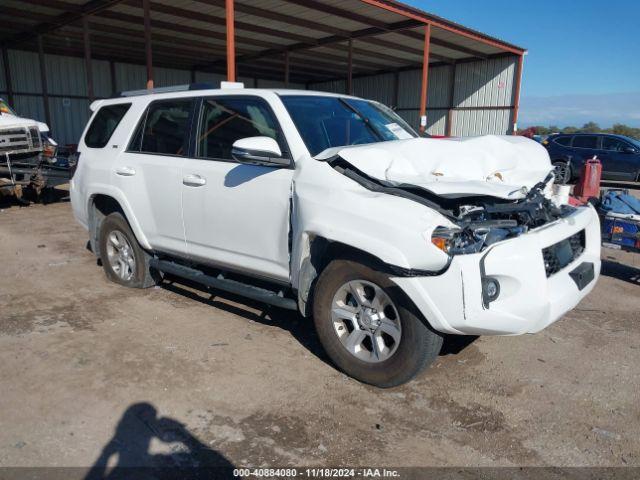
point(366, 121)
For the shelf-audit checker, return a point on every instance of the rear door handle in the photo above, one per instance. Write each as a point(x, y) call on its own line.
point(126, 171)
point(194, 180)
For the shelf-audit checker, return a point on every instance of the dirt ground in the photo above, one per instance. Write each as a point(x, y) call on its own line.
point(91, 371)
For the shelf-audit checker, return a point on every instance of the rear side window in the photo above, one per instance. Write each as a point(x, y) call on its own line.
point(104, 124)
point(164, 129)
point(585, 141)
point(564, 141)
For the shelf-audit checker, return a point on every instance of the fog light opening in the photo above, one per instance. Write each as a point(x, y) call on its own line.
point(490, 290)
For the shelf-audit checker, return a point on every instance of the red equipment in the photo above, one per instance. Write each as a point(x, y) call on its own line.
point(588, 185)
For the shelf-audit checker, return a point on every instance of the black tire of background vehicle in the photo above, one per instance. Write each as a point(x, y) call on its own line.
point(567, 169)
point(419, 344)
point(144, 276)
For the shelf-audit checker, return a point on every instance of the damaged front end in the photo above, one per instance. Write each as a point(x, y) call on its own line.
point(483, 221)
point(476, 222)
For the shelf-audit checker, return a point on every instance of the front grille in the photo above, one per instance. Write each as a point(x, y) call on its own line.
point(12, 131)
point(35, 137)
point(561, 254)
point(20, 140)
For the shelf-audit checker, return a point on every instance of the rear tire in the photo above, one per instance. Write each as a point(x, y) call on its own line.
point(395, 358)
point(123, 259)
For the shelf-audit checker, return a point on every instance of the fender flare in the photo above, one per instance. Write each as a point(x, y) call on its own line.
point(315, 254)
point(116, 194)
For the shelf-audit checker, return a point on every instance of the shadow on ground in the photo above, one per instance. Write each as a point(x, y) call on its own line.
point(302, 329)
point(623, 272)
point(127, 455)
point(49, 195)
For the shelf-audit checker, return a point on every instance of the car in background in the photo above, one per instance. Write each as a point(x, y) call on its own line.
point(27, 155)
point(620, 155)
point(23, 136)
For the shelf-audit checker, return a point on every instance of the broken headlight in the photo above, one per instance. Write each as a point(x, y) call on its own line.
point(471, 239)
point(455, 241)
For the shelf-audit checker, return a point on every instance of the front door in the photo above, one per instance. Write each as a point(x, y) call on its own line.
point(149, 173)
point(617, 162)
point(236, 216)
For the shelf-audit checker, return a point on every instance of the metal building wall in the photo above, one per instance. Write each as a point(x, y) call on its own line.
point(25, 79)
point(379, 88)
point(67, 87)
point(480, 85)
point(439, 93)
point(481, 97)
point(3, 83)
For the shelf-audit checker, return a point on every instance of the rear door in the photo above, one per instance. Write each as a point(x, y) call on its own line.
point(149, 172)
point(236, 216)
point(585, 147)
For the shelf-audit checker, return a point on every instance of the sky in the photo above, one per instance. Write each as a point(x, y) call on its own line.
point(583, 60)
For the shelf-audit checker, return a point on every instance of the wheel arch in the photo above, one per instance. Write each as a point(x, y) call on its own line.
point(103, 204)
point(319, 251)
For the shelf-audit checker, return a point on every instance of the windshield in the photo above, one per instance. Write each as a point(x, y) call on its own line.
point(5, 108)
point(325, 122)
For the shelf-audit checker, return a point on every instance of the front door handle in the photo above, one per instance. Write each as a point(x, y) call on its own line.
point(126, 171)
point(194, 180)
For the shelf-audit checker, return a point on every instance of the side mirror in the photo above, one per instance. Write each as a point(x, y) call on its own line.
point(258, 151)
point(629, 150)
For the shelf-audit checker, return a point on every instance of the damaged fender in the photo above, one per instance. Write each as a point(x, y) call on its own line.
point(330, 206)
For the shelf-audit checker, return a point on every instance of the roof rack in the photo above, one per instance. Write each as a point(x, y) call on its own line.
point(175, 88)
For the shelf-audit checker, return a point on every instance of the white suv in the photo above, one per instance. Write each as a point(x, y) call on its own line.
point(333, 205)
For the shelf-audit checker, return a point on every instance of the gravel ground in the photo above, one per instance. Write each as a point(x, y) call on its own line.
point(91, 371)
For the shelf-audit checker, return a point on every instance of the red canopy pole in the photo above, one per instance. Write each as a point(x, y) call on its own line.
point(350, 68)
point(425, 78)
point(147, 43)
point(86, 38)
point(286, 69)
point(231, 44)
point(516, 94)
point(43, 82)
point(7, 75)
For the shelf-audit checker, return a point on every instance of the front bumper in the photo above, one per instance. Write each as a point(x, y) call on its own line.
point(529, 300)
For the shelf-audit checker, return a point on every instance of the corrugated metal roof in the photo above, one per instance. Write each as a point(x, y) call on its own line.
point(191, 34)
point(314, 29)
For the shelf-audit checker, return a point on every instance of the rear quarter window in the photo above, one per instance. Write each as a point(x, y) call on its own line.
point(104, 124)
point(164, 128)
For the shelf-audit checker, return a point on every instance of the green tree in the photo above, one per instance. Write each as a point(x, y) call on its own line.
point(620, 129)
point(590, 127)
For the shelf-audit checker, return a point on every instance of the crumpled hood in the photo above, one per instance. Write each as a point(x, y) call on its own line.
point(498, 166)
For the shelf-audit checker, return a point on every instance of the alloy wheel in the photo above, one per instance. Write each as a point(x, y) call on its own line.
point(366, 321)
point(120, 255)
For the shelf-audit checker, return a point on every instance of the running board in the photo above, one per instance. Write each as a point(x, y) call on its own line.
point(226, 285)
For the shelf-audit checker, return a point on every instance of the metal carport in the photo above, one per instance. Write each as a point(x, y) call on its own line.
point(447, 78)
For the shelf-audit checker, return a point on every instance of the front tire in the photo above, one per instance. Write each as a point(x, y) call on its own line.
point(123, 259)
point(368, 326)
